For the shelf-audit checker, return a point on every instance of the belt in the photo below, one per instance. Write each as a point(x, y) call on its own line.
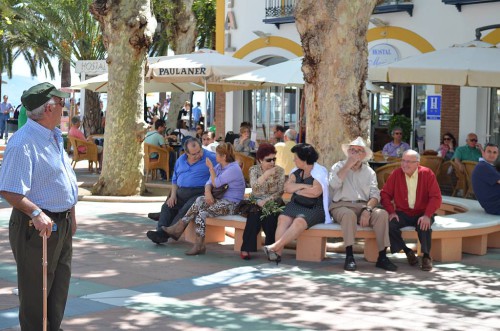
point(356, 201)
point(57, 216)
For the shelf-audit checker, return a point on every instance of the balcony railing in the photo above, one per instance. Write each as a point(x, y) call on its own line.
point(460, 3)
point(279, 12)
point(393, 6)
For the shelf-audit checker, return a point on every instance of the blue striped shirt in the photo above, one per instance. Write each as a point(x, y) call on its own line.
point(37, 166)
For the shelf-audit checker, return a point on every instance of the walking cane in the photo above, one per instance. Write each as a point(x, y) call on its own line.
point(44, 275)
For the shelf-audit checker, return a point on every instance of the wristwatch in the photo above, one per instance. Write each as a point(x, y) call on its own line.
point(368, 209)
point(36, 212)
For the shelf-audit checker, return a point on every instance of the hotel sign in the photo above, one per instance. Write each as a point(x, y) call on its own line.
point(91, 67)
point(382, 54)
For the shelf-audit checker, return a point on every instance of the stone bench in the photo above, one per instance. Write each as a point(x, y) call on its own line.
point(461, 226)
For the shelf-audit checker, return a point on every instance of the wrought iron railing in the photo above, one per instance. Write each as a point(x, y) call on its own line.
point(279, 8)
point(393, 6)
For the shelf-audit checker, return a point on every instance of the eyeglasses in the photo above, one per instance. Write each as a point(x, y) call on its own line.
point(270, 160)
point(54, 102)
point(473, 140)
point(446, 138)
point(408, 161)
point(398, 133)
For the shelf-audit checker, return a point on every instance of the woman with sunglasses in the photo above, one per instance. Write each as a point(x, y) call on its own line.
point(267, 181)
point(447, 147)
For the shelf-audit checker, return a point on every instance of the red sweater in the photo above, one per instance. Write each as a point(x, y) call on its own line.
point(394, 195)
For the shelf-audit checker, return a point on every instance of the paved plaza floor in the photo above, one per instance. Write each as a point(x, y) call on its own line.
point(122, 281)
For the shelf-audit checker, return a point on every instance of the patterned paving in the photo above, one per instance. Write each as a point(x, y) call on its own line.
point(121, 281)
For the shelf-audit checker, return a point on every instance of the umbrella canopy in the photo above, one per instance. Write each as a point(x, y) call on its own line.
point(100, 84)
point(472, 64)
point(288, 73)
point(201, 68)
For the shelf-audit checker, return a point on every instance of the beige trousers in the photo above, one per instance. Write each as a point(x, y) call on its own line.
point(347, 214)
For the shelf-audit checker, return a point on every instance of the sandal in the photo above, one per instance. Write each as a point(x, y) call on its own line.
point(272, 255)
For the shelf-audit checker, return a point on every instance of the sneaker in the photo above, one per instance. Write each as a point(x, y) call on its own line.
point(154, 216)
point(386, 264)
point(156, 238)
point(426, 264)
point(412, 258)
point(349, 264)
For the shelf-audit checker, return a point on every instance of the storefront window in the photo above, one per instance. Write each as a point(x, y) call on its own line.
point(495, 116)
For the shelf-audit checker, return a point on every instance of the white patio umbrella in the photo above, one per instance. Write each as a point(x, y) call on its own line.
point(288, 73)
point(100, 84)
point(475, 63)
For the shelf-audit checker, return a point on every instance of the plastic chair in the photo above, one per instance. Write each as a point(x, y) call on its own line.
point(90, 153)
point(469, 168)
point(162, 162)
point(384, 172)
point(246, 162)
point(431, 162)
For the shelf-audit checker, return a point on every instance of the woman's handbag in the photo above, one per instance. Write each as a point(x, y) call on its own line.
point(304, 201)
point(218, 192)
point(246, 207)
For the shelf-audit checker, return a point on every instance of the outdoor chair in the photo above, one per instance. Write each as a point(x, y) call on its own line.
point(461, 183)
point(162, 162)
point(378, 156)
point(384, 172)
point(431, 162)
point(444, 177)
point(246, 162)
point(90, 153)
point(469, 167)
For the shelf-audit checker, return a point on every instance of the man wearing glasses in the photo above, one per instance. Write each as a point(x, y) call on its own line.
point(188, 183)
point(37, 179)
point(411, 196)
point(396, 147)
point(355, 199)
point(472, 151)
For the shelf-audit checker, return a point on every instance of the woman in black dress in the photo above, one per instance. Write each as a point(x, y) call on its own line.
point(309, 203)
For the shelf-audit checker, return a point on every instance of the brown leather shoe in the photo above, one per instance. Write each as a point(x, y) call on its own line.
point(426, 264)
point(412, 258)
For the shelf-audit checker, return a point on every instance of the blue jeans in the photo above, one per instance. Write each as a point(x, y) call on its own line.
point(3, 125)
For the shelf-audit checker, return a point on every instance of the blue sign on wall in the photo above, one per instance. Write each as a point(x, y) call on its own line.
point(433, 107)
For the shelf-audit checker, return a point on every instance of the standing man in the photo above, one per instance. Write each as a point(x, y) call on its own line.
point(37, 179)
point(486, 180)
point(284, 155)
point(5, 109)
point(355, 199)
point(196, 114)
point(472, 151)
point(411, 196)
point(188, 183)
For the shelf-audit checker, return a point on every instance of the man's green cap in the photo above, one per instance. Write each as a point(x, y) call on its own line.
point(39, 94)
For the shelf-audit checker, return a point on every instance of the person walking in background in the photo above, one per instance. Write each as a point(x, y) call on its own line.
point(411, 196)
point(397, 146)
point(196, 114)
point(5, 109)
point(37, 179)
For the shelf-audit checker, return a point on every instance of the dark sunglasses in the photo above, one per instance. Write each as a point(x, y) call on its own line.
point(446, 138)
point(270, 160)
point(473, 140)
point(398, 133)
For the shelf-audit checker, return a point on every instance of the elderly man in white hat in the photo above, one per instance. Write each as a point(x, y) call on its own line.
point(355, 195)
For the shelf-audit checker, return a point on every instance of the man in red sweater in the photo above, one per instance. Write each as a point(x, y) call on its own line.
point(411, 196)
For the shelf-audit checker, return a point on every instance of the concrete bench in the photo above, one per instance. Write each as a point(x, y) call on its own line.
point(461, 226)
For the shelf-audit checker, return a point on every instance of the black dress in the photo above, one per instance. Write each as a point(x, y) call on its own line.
point(314, 215)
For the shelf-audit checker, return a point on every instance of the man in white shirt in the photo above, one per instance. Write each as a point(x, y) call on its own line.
point(354, 200)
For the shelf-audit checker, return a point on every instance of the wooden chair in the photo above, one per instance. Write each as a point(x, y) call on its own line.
point(431, 162)
point(384, 172)
point(162, 162)
point(246, 162)
point(469, 167)
point(461, 180)
point(444, 177)
point(90, 153)
point(378, 156)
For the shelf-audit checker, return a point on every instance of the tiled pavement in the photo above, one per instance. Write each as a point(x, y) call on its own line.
point(121, 281)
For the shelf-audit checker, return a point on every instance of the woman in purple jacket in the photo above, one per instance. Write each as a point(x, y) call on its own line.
point(227, 172)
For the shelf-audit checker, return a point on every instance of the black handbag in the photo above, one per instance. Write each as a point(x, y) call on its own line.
point(246, 207)
point(304, 201)
point(218, 192)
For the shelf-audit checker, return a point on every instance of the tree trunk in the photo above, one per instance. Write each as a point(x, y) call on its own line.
point(127, 28)
point(92, 117)
point(333, 35)
point(65, 73)
point(183, 42)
